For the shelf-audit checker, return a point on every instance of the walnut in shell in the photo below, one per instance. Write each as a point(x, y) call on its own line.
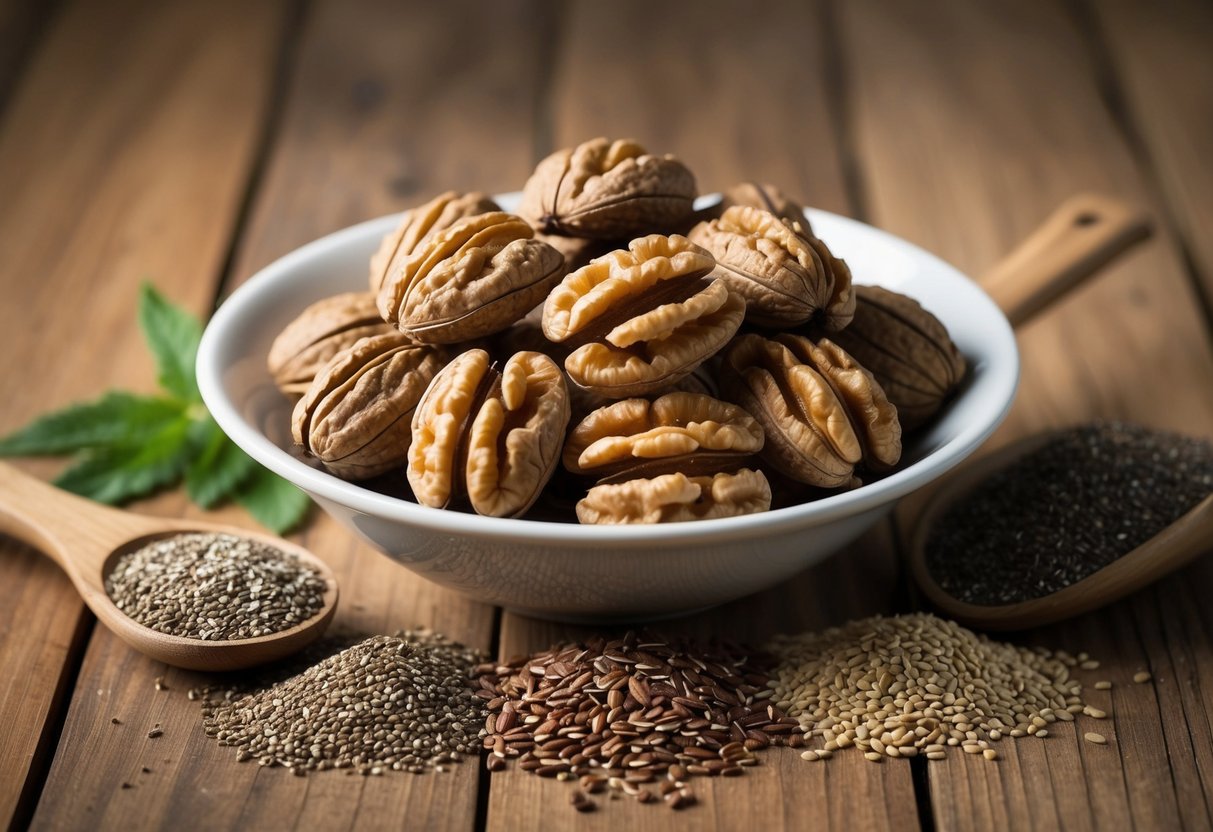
point(671, 498)
point(769, 198)
point(356, 415)
point(781, 274)
point(822, 413)
point(607, 189)
point(687, 433)
point(419, 224)
point(641, 319)
point(470, 280)
point(907, 349)
point(321, 331)
point(489, 436)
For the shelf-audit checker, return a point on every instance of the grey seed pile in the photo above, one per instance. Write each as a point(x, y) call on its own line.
point(386, 703)
point(626, 714)
point(917, 684)
point(1087, 497)
point(215, 587)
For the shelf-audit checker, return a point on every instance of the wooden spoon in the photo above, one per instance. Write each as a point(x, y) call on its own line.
point(86, 539)
point(1082, 236)
point(1173, 547)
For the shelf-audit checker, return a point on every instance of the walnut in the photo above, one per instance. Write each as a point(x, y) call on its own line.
point(768, 198)
point(579, 251)
point(641, 319)
point(687, 433)
point(671, 498)
point(782, 275)
point(489, 436)
point(419, 224)
point(605, 190)
point(472, 279)
point(907, 349)
point(320, 332)
point(823, 414)
point(355, 416)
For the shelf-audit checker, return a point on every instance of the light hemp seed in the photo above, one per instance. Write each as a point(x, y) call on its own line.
point(624, 714)
point(387, 703)
point(215, 587)
point(901, 686)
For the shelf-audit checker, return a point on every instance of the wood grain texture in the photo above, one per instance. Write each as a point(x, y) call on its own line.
point(116, 95)
point(1159, 58)
point(22, 23)
point(966, 165)
point(363, 132)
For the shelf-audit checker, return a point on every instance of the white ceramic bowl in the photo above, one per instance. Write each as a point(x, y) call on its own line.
point(598, 573)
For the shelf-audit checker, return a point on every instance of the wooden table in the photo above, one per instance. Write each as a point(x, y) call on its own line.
point(191, 144)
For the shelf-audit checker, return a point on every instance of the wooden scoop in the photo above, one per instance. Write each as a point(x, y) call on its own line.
point(1173, 547)
point(1084, 234)
point(86, 539)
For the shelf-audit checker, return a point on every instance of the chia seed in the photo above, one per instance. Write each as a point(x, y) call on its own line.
point(214, 587)
point(1086, 498)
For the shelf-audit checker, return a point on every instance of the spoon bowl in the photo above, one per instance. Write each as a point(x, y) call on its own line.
point(86, 539)
point(1175, 546)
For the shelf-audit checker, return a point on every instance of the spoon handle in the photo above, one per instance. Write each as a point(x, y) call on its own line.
point(74, 532)
point(1084, 234)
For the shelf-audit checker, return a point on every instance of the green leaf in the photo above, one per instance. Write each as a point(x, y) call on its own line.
point(173, 335)
point(115, 419)
point(120, 472)
point(218, 468)
point(273, 502)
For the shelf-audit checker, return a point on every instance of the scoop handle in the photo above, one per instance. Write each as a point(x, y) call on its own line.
point(1080, 237)
point(76, 533)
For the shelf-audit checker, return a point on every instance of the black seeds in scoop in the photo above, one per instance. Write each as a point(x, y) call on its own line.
point(1089, 496)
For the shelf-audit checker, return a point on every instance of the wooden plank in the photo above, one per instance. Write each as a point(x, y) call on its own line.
point(368, 127)
point(1159, 54)
point(22, 23)
point(737, 98)
point(117, 96)
point(963, 152)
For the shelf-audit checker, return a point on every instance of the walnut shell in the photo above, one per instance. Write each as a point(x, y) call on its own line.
point(643, 318)
point(823, 415)
point(419, 224)
point(605, 190)
point(686, 433)
point(769, 198)
point(355, 416)
point(470, 280)
point(907, 349)
point(781, 275)
point(321, 331)
point(672, 498)
point(489, 436)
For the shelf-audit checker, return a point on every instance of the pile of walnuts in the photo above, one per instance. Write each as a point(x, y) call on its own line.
point(675, 364)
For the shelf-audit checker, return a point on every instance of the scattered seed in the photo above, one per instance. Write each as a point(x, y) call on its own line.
point(127, 786)
point(990, 754)
point(1141, 677)
point(386, 703)
point(115, 721)
point(1103, 685)
point(155, 732)
point(214, 587)
point(1095, 713)
point(1098, 739)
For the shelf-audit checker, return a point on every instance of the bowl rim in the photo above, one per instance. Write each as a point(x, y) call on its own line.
point(319, 484)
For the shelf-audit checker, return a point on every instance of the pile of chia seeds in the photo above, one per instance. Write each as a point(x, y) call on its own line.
point(1089, 496)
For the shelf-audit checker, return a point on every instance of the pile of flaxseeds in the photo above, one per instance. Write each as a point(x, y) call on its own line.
point(401, 703)
point(215, 587)
point(911, 684)
point(638, 715)
point(1090, 495)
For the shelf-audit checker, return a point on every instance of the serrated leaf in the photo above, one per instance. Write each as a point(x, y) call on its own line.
point(118, 473)
point(218, 468)
point(115, 418)
point(173, 335)
point(273, 502)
